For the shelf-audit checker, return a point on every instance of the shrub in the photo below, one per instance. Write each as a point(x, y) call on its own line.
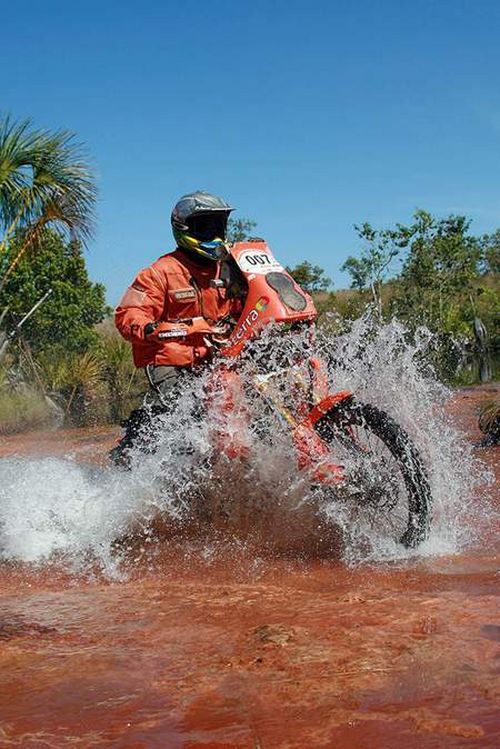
point(22, 410)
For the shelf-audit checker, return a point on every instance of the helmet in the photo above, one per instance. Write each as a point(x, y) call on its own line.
point(199, 223)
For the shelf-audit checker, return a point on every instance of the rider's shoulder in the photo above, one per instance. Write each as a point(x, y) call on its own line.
point(166, 261)
point(167, 267)
point(166, 255)
point(157, 271)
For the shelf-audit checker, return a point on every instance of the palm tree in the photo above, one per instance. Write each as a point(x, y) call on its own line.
point(43, 180)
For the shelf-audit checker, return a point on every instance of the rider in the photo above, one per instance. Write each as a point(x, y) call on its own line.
point(179, 286)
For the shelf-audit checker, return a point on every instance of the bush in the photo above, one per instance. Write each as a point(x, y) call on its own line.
point(22, 410)
point(125, 383)
point(489, 420)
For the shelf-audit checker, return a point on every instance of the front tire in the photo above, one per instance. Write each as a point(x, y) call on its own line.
point(349, 428)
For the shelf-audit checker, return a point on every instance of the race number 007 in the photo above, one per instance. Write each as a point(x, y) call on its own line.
point(262, 259)
point(258, 262)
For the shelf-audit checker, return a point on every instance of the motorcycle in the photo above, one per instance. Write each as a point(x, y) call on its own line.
point(352, 450)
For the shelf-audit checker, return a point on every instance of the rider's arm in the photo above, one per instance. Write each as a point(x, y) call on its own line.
point(142, 303)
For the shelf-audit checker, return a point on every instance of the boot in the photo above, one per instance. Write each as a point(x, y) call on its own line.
point(136, 429)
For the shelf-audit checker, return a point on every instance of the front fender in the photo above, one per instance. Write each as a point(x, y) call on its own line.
point(325, 405)
point(313, 452)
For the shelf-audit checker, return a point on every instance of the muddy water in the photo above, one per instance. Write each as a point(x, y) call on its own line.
point(238, 649)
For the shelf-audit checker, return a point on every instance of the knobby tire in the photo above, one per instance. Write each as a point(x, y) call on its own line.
point(399, 444)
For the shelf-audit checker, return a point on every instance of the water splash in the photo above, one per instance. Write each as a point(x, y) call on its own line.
point(55, 508)
point(386, 366)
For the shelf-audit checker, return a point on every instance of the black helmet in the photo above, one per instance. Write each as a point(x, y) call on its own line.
point(199, 223)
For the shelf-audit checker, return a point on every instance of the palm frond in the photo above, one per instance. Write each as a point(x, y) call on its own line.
point(62, 371)
point(44, 176)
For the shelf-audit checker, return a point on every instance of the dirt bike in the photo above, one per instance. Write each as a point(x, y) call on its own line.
point(355, 450)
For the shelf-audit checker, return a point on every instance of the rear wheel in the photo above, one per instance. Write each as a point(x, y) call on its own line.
point(385, 475)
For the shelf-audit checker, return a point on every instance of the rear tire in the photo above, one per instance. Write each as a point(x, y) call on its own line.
point(339, 426)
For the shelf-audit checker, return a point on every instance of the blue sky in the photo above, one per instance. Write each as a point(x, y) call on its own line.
point(307, 116)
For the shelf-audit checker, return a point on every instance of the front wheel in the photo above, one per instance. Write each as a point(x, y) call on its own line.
point(384, 471)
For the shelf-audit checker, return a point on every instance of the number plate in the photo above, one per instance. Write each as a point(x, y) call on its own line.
point(258, 261)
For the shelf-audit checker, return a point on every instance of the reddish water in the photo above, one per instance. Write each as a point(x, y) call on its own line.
point(251, 653)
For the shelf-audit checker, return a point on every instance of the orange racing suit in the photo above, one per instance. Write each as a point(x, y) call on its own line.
point(174, 288)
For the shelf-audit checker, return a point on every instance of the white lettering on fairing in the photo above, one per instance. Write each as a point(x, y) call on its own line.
point(246, 324)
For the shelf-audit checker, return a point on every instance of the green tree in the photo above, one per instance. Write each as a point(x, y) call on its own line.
point(441, 263)
point(66, 320)
point(310, 277)
point(490, 246)
point(373, 266)
point(438, 274)
point(240, 229)
point(44, 181)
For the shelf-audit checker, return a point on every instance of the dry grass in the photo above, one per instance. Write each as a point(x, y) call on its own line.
point(489, 419)
point(23, 410)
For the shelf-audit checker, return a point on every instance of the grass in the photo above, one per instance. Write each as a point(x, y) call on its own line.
point(23, 410)
point(489, 419)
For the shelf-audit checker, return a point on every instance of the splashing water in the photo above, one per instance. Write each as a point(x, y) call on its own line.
point(383, 366)
point(53, 508)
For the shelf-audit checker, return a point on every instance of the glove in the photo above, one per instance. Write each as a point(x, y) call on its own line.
point(221, 332)
point(150, 328)
point(221, 329)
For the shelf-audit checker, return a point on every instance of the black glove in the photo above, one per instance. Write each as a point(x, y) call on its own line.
point(150, 328)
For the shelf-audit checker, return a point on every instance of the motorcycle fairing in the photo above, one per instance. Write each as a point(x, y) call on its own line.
point(272, 296)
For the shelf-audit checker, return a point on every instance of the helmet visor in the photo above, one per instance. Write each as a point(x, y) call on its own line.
point(208, 226)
